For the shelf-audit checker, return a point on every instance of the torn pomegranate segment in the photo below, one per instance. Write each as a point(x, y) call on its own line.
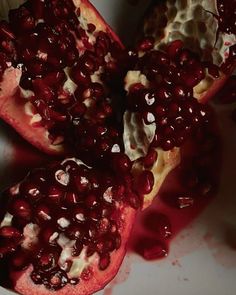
point(64, 59)
point(178, 64)
point(61, 221)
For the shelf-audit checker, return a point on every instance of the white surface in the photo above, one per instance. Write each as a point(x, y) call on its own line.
point(203, 263)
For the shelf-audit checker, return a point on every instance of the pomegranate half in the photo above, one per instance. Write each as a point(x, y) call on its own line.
point(64, 229)
point(185, 54)
point(58, 61)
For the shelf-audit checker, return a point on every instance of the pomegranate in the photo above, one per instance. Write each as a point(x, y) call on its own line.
point(64, 228)
point(178, 64)
point(58, 61)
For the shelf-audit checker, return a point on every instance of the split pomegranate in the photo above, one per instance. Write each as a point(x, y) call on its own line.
point(64, 228)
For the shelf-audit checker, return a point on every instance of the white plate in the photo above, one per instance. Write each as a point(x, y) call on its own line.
point(200, 261)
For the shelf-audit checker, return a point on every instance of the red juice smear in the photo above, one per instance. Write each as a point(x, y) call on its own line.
point(187, 190)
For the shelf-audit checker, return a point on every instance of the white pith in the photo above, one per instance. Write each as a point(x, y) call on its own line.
point(107, 195)
point(30, 233)
point(133, 77)
point(63, 222)
point(7, 220)
point(185, 21)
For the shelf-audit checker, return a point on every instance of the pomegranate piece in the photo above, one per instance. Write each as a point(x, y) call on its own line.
point(55, 59)
point(171, 76)
point(61, 240)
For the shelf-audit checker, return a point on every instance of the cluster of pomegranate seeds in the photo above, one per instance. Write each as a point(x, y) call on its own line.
point(168, 100)
point(65, 208)
point(66, 63)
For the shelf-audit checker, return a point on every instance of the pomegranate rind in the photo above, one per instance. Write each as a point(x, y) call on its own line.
point(24, 285)
point(12, 105)
point(94, 17)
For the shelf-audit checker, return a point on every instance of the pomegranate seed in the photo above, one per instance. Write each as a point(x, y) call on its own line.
point(160, 111)
point(117, 240)
point(55, 194)
point(36, 277)
point(151, 249)
point(158, 223)
point(134, 200)
point(7, 248)
point(20, 260)
point(150, 158)
point(27, 23)
point(95, 214)
point(91, 249)
point(79, 77)
point(87, 274)
point(31, 190)
point(46, 260)
point(43, 91)
point(167, 144)
point(91, 28)
point(75, 231)
point(9, 232)
point(42, 213)
point(57, 280)
point(37, 8)
point(145, 182)
point(49, 235)
point(121, 163)
point(174, 47)
point(5, 31)
point(146, 44)
point(91, 200)
point(87, 64)
point(104, 261)
point(77, 249)
point(36, 68)
point(71, 198)
point(21, 208)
